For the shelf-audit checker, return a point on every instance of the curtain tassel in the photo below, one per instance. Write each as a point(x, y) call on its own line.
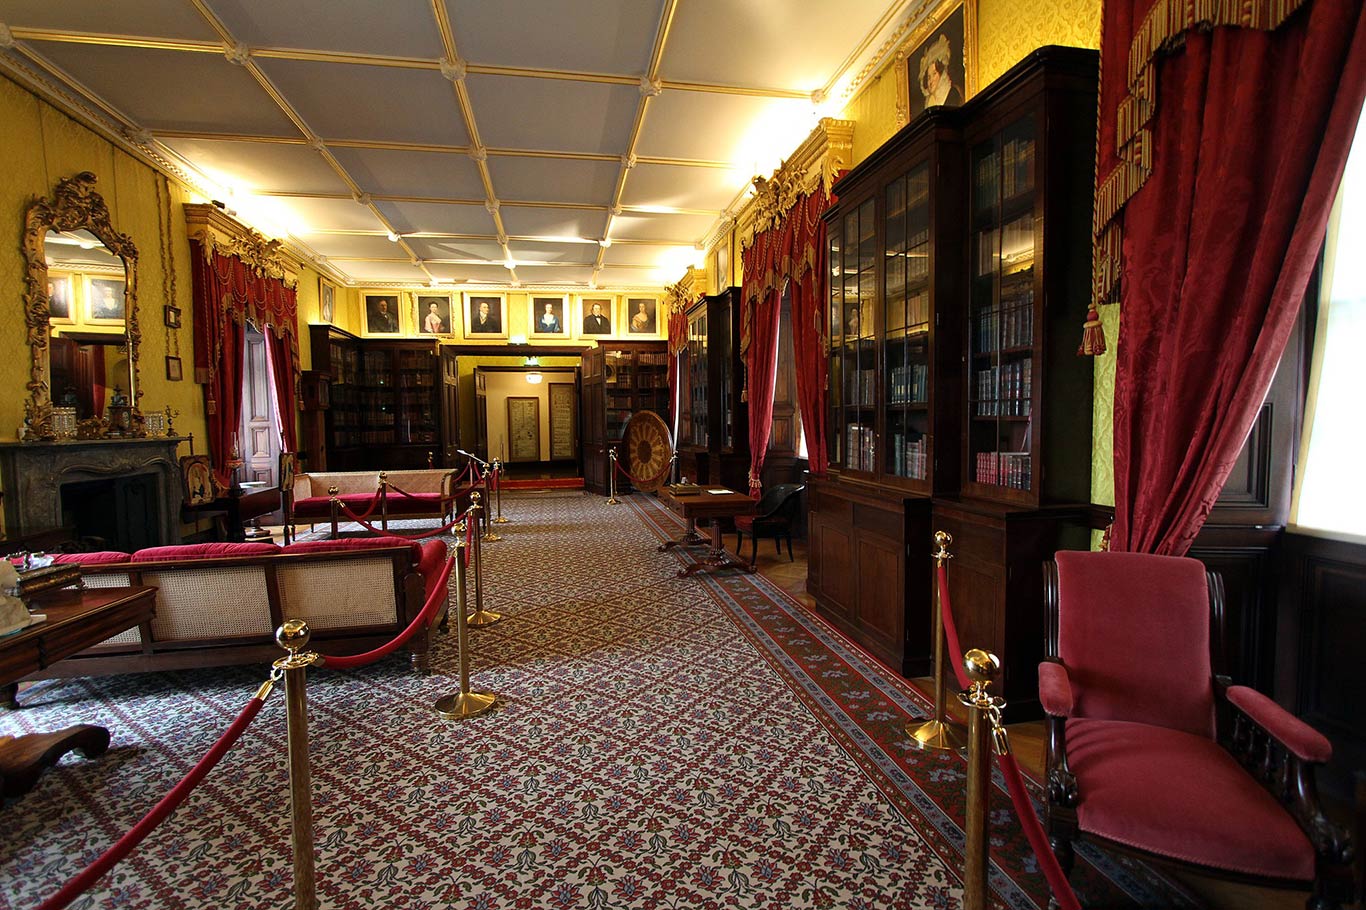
point(1092, 335)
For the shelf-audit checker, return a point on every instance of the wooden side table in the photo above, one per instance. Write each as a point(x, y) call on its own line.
point(709, 504)
point(76, 620)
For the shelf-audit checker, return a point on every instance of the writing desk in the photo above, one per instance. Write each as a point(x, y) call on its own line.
point(706, 505)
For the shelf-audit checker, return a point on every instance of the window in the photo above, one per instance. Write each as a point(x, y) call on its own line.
point(1330, 492)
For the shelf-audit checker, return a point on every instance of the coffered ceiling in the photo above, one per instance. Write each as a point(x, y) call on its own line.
point(568, 143)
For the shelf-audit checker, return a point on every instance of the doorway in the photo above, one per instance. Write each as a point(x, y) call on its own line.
point(258, 433)
point(530, 419)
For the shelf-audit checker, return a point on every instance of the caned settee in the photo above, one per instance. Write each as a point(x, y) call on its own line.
point(220, 603)
point(429, 493)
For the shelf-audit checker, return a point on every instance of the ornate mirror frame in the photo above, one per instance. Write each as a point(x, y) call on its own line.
point(74, 205)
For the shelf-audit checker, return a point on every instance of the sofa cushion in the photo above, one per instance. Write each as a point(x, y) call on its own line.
point(1180, 795)
point(97, 558)
point(321, 506)
point(433, 558)
point(204, 551)
point(348, 544)
point(417, 504)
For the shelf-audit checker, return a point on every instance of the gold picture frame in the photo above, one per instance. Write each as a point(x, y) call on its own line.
point(640, 316)
point(61, 298)
point(327, 301)
point(383, 315)
point(486, 326)
point(948, 35)
point(547, 316)
point(106, 301)
point(432, 315)
point(588, 323)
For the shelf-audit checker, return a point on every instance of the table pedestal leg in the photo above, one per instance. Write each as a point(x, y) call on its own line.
point(689, 539)
point(717, 558)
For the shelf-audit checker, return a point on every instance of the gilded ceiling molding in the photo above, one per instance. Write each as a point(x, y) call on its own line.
point(814, 165)
point(216, 231)
point(682, 293)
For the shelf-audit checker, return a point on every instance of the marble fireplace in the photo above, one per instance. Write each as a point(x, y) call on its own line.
point(126, 492)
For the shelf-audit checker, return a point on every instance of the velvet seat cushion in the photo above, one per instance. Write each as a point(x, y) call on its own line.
point(1182, 796)
point(191, 551)
point(418, 504)
point(350, 544)
point(97, 558)
point(321, 506)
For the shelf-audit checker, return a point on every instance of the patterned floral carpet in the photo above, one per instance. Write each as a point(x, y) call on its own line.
point(660, 742)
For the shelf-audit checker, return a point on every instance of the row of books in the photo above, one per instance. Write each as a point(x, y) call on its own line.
point(1005, 324)
point(915, 311)
point(1005, 173)
point(392, 436)
point(1007, 248)
point(1004, 469)
point(859, 447)
point(910, 383)
point(1005, 390)
point(909, 457)
point(916, 193)
point(859, 386)
point(423, 380)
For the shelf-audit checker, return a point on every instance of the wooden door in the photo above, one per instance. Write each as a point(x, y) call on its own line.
point(259, 433)
point(450, 409)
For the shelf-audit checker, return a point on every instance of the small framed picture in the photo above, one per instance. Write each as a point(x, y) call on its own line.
point(173, 369)
point(327, 300)
point(486, 315)
point(595, 316)
point(60, 306)
point(432, 314)
point(640, 315)
point(196, 475)
point(172, 314)
point(548, 315)
point(105, 301)
point(381, 314)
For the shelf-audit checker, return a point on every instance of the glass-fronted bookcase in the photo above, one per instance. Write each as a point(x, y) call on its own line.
point(713, 422)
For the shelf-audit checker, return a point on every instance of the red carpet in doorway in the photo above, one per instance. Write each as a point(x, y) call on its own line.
point(545, 483)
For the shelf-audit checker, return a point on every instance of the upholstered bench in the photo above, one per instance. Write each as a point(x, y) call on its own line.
point(409, 494)
point(220, 603)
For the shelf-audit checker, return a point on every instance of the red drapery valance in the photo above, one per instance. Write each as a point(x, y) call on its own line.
point(1246, 137)
point(229, 293)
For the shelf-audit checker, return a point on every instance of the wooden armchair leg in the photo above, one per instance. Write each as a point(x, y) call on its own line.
point(790, 557)
point(753, 548)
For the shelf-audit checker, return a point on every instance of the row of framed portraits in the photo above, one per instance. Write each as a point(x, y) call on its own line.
point(485, 316)
point(77, 299)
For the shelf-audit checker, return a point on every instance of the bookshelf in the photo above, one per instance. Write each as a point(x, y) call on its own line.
point(713, 425)
point(619, 378)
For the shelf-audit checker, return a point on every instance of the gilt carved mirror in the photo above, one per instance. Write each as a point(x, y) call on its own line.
point(80, 310)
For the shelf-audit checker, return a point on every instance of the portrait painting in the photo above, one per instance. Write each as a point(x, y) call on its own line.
point(327, 300)
point(938, 65)
point(641, 315)
point(60, 309)
point(105, 301)
point(381, 314)
point(486, 316)
point(595, 315)
point(198, 481)
point(548, 315)
point(433, 314)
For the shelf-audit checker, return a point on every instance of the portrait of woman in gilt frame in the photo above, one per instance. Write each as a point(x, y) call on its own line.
point(937, 65)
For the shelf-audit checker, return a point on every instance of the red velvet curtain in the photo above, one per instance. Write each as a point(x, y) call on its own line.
point(810, 334)
point(761, 364)
point(1249, 131)
point(678, 340)
point(227, 293)
point(284, 367)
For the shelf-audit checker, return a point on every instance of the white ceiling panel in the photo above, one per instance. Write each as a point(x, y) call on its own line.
point(776, 44)
point(444, 175)
point(538, 180)
point(741, 129)
point(399, 28)
point(557, 253)
point(648, 254)
point(627, 277)
point(347, 101)
point(590, 36)
point(174, 91)
point(330, 214)
point(384, 271)
point(530, 221)
point(354, 246)
point(676, 186)
point(485, 274)
point(442, 248)
point(437, 218)
point(260, 166)
point(555, 274)
point(683, 230)
point(145, 18)
point(521, 113)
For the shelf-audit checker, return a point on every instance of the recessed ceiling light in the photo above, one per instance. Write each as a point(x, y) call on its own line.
point(509, 264)
point(393, 238)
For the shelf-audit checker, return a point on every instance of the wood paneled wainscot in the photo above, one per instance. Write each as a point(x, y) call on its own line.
point(860, 575)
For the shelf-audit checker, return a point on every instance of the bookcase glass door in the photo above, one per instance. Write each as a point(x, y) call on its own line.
point(416, 418)
point(345, 411)
point(696, 391)
point(1001, 336)
point(618, 384)
point(853, 355)
point(377, 397)
point(906, 324)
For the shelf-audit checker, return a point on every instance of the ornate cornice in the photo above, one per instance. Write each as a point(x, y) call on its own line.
point(682, 293)
point(815, 164)
point(218, 232)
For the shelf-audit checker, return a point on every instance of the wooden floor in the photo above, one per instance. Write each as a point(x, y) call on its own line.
point(1028, 744)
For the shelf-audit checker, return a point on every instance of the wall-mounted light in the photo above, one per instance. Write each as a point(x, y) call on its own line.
point(533, 376)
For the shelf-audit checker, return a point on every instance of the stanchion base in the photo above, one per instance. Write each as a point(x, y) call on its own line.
point(483, 618)
point(463, 705)
point(500, 520)
point(489, 535)
point(938, 734)
point(614, 501)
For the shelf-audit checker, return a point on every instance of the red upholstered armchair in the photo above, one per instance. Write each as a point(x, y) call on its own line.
point(1137, 712)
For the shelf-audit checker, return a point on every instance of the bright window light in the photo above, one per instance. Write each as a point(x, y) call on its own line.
point(1330, 495)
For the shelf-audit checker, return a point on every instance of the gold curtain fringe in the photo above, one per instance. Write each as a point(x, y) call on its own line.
point(1162, 31)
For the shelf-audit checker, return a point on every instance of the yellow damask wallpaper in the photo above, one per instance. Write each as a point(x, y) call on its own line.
point(1103, 412)
point(1008, 30)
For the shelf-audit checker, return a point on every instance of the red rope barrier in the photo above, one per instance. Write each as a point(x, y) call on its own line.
point(422, 535)
point(440, 594)
point(126, 844)
point(469, 541)
point(623, 472)
point(1010, 768)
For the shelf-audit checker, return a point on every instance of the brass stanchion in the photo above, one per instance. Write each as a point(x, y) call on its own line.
point(984, 725)
point(612, 476)
point(483, 514)
point(463, 704)
point(335, 508)
point(480, 616)
point(940, 732)
point(383, 494)
point(498, 492)
point(293, 637)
